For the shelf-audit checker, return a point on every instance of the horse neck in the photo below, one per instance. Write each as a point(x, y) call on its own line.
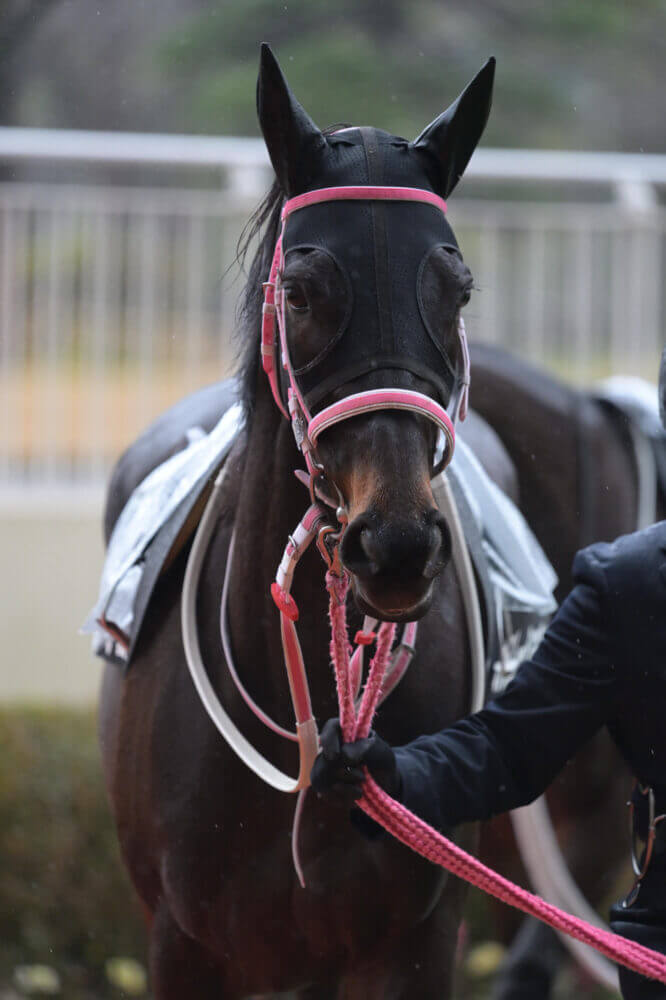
point(271, 502)
point(563, 446)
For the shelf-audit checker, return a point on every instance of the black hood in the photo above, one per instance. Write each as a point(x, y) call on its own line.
point(381, 248)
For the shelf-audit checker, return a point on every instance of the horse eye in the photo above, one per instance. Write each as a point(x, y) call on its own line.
point(465, 297)
point(296, 300)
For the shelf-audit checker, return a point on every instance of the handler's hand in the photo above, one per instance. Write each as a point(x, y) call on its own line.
point(338, 769)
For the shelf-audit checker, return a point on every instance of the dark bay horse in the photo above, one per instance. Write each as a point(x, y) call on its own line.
point(206, 843)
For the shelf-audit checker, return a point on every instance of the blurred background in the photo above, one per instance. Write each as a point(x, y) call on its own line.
point(130, 160)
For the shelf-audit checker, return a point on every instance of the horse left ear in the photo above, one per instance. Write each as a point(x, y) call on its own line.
point(295, 144)
point(453, 136)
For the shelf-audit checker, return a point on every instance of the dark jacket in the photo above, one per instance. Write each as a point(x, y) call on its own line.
point(601, 662)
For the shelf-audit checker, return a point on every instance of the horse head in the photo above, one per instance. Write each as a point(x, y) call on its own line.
point(367, 283)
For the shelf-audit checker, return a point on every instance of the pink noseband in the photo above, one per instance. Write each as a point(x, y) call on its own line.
point(383, 399)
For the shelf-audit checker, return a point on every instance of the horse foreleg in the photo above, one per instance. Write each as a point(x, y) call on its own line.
point(179, 966)
point(532, 963)
point(419, 964)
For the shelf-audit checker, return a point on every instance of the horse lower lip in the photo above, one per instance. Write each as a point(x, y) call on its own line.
point(402, 610)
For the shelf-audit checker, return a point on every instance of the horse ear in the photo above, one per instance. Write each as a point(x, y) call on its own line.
point(452, 138)
point(295, 144)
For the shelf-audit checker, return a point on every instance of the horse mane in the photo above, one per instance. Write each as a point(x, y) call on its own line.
point(263, 226)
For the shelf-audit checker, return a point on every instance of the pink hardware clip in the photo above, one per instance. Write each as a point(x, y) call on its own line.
point(328, 543)
point(285, 602)
point(364, 638)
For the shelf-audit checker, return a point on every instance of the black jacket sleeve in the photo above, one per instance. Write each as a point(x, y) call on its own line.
point(507, 754)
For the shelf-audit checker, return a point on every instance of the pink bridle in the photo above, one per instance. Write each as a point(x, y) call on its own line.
point(356, 722)
point(306, 427)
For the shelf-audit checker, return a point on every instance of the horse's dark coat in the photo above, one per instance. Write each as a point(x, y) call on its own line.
point(206, 844)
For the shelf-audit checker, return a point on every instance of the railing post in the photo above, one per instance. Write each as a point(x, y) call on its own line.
point(639, 207)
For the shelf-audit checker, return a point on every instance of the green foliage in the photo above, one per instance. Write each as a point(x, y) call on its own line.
point(64, 898)
point(570, 74)
point(334, 53)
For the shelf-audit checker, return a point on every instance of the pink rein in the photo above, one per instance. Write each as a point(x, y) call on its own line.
point(406, 827)
point(416, 834)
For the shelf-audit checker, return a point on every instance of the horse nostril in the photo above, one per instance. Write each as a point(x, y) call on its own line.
point(360, 549)
point(440, 547)
point(409, 550)
point(369, 543)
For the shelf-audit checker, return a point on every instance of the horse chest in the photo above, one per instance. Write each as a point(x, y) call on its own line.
point(233, 886)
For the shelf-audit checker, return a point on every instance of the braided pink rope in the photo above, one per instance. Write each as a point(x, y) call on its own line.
point(354, 727)
point(416, 834)
point(337, 587)
point(373, 688)
point(413, 832)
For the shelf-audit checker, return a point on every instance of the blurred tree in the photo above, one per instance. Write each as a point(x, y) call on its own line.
point(18, 21)
point(570, 74)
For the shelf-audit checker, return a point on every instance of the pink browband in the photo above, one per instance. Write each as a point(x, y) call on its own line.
point(361, 193)
point(306, 427)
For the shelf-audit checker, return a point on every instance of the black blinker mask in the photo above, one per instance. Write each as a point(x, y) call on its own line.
point(374, 203)
point(381, 248)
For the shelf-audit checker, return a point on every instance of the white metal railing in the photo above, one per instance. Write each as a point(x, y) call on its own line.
point(116, 300)
point(227, 151)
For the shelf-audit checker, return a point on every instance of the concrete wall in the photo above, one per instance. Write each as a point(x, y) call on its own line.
point(51, 554)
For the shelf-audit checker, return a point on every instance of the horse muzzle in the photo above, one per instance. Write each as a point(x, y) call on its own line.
point(393, 563)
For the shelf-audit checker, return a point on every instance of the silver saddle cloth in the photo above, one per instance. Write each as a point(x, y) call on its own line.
point(636, 401)
point(145, 532)
point(514, 576)
point(516, 581)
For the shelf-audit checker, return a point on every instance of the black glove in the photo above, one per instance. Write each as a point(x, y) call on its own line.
point(338, 769)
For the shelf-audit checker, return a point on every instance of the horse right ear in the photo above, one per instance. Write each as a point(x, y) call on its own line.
point(295, 144)
point(452, 138)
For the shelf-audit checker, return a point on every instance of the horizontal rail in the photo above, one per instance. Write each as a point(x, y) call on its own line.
point(130, 148)
point(18, 144)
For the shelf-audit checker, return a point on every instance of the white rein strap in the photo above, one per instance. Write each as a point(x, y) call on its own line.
point(306, 727)
point(470, 594)
point(306, 733)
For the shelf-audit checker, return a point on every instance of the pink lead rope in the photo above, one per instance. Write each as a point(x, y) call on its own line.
point(416, 834)
point(405, 826)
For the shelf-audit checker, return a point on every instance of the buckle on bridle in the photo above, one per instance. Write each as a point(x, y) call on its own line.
point(316, 474)
point(640, 859)
point(328, 543)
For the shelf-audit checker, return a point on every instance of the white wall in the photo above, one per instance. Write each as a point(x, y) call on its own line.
point(51, 561)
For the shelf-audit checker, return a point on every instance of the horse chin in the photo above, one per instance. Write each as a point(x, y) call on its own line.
point(391, 607)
